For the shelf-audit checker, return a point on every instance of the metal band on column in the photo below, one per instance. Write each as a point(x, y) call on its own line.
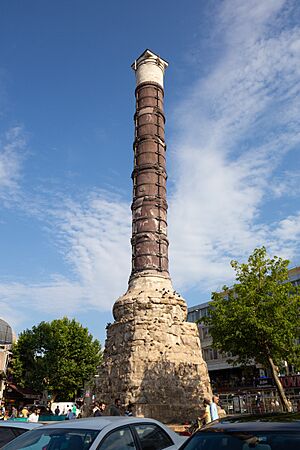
point(149, 206)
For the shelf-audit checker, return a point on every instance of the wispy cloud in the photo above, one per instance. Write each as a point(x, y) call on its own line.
point(236, 125)
point(12, 143)
point(92, 236)
point(59, 296)
point(286, 184)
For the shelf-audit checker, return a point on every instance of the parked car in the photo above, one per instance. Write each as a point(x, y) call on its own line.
point(100, 433)
point(277, 431)
point(9, 430)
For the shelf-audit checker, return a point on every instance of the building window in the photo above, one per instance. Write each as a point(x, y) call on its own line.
point(204, 332)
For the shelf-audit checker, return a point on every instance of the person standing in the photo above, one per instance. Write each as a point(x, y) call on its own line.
point(70, 415)
point(205, 416)
point(96, 410)
point(14, 413)
point(102, 407)
point(214, 408)
point(57, 411)
point(34, 416)
point(115, 410)
point(99, 409)
point(129, 410)
point(25, 412)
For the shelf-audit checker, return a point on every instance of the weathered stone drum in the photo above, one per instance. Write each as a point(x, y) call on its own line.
point(149, 206)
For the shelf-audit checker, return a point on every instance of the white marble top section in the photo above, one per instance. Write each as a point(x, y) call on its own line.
point(149, 67)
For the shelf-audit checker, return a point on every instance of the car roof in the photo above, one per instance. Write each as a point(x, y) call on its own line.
point(15, 424)
point(256, 422)
point(98, 423)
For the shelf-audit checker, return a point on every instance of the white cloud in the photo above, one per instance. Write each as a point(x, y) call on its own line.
point(58, 295)
point(235, 127)
point(289, 229)
point(93, 237)
point(96, 238)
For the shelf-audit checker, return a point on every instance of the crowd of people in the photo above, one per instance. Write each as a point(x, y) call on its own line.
point(32, 413)
point(11, 412)
point(100, 408)
point(69, 412)
point(210, 411)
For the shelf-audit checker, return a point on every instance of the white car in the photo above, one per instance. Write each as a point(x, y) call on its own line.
point(100, 433)
point(9, 430)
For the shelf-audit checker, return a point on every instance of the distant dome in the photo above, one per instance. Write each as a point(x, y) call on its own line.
point(7, 335)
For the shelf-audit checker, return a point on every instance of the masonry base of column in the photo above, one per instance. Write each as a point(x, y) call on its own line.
point(152, 356)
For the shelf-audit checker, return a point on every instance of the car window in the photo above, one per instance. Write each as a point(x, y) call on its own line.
point(244, 441)
point(54, 439)
point(18, 431)
point(120, 439)
point(6, 435)
point(152, 437)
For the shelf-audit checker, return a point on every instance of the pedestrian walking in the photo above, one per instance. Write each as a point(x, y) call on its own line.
point(57, 411)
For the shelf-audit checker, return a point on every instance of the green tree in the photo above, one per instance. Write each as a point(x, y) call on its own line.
point(57, 356)
point(257, 320)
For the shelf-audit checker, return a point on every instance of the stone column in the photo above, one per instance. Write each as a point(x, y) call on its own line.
point(152, 355)
point(149, 205)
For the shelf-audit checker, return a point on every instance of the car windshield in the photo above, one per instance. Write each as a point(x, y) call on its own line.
point(54, 439)
point(244, 441)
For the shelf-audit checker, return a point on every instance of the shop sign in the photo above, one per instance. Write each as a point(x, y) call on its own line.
point(264, 382)
point(32, 396)
point(290, 381)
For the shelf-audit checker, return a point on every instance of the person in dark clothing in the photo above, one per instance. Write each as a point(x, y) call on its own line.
point(115, 410)
point(99, 409)
point(129, 410)
point(57, 411)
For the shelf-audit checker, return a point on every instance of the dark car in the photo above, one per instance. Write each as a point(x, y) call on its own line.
point(278, 431)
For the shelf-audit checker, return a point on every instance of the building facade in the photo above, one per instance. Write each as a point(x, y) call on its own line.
point(7, 338)
point(224, 376)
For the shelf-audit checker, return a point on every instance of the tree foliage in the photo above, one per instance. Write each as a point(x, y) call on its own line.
point(258, 318)
point(57, 356)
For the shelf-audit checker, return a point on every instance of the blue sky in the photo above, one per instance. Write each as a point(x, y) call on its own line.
point(232, 101)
